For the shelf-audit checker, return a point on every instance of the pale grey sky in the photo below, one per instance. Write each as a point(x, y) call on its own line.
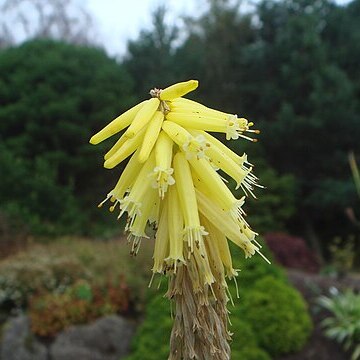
point(115, 21)
point(119, 20)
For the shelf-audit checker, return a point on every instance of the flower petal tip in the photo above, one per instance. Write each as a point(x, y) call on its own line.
point(94, 140)
point(109, 164)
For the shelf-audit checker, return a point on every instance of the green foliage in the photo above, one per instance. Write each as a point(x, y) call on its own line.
point(343, 324)
point(79, 304)
point(277, 314)
point(254, 268)
point(312, 94)
point(250, 353)
point(243, 335)
point(342, 255)
point(53, 96)
point(275, 204)
point(152, 338)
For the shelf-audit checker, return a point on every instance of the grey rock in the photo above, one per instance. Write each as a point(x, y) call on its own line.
point(105, 339)
point(18, 343)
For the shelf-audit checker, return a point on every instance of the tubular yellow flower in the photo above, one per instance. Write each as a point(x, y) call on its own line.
point(161, 250)
point(241, 174)
point(213, 250)
point(184, 109)
point(118, 124)
point(132, 202)
point(127, 148)
point(225, 224)
point(193, 146)
point(240, 160)
point(142, 117)
point(179, 89)
point(116, 147)
point(220, 244)
point(231, 126)
point(193, 230)
point(151, 135)
point(124, 183)
point(162, 174)
point(138, 227)
point(219, 191)
point(176, 225)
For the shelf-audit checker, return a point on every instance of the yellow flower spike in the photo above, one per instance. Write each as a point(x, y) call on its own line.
point(206, 113)
point(138, 227)
point(219, 244)
point(162, 173)
point(127, 148)
point(230, 126)
point(179, 89)
point(151, 135)
point(246, 230)
point(155, 211)
point(193, 231)
point(213, 251)
point(193, 146)
point(240, 160)
point(127, 178)
point(125, 181)
point(132, 202)
point(222, 161)
point(190, 107)
point(142, 117)
point(228, 226)
point(116, 147)
point(175, 224)
point(161, 250)
point(202, 262)
point(118, 124)
point(218, 190)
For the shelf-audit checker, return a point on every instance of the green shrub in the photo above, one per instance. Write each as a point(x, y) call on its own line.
point(343, 325)
point(243, 335)
point(152, 338)
point(53, 97)
point(255, 268)
point(250, 353)
point(277, 314)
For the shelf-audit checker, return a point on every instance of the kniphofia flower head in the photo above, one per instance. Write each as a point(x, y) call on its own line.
point(172, 181)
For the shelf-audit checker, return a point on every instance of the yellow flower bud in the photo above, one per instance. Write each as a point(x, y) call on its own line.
point(143, 117)
point(151, 135)
point(127, 148)
point(179, 89)
point(120, 123)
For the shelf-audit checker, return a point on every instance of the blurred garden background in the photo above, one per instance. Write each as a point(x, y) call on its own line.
point(291, 66)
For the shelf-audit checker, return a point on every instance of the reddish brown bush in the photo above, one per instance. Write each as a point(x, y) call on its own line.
point(80, 304)
point(292, 252)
